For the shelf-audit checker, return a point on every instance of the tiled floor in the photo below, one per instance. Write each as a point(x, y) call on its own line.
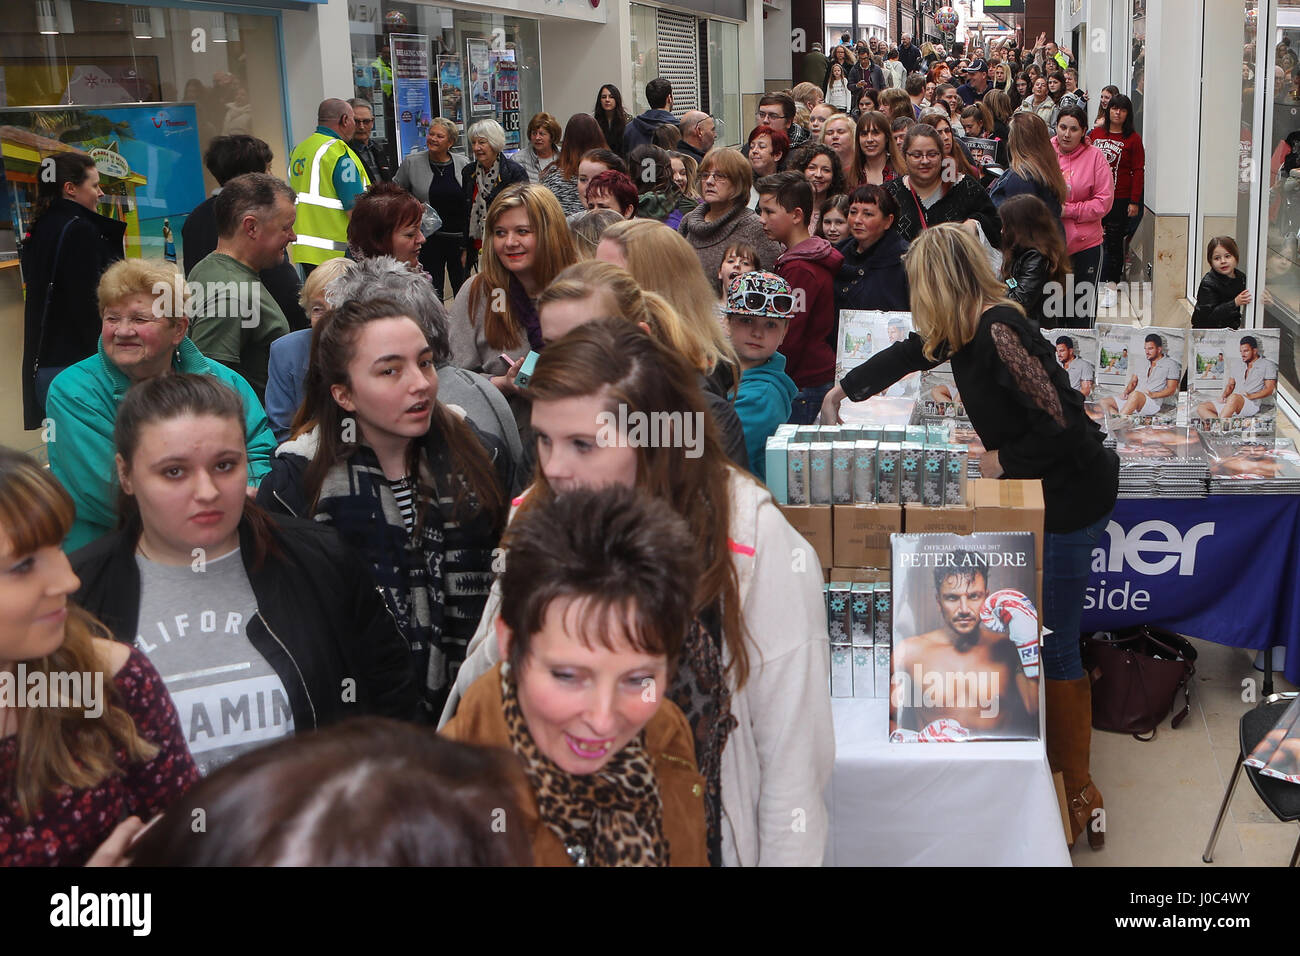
point(1161, 797)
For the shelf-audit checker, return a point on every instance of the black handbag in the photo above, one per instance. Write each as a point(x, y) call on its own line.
point(1136, 675)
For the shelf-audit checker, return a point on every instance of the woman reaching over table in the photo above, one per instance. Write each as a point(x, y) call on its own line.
point(1033, 424)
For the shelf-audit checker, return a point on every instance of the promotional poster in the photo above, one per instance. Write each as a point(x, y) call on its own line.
point(1232, 380)
point(1077, 351)
point(477, 56)
point(1138, 372)
point(451, 96)
point(410, 91)
point(965, 638)
point(148, 157)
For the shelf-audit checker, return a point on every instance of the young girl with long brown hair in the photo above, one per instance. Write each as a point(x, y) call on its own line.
point(415, 490)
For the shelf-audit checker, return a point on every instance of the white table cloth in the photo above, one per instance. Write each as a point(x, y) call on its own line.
point(961, 804)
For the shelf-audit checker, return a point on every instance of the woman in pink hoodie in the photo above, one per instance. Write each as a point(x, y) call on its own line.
point(1091, 189)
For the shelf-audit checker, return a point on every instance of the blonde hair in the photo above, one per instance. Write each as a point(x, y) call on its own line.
point(589, 227)
point(662, 261)
point(734, 166)
point(320, 277)
point(553, 252)
point(852, 174)
point(128, 277)
point(585, 280)
point(806, 93)
point(448, 126)
point(950, 280)
point(801, 114)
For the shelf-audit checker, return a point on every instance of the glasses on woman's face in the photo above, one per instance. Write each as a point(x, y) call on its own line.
point(715, 176)
point(929, 156)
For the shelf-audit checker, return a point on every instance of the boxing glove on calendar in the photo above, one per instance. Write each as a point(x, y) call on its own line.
point(1012, 613)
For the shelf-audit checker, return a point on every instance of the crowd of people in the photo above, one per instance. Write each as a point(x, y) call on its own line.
point(352, 473)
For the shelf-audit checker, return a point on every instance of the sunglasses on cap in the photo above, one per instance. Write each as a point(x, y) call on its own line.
point(782, 303)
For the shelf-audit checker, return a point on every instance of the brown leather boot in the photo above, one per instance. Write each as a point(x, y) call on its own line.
point(1069, 738)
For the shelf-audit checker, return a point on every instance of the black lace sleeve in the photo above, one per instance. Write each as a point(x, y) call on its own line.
point(1027, 372)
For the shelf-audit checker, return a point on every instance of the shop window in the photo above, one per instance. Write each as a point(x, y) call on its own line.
point(1278, 155)
point(645, 55)
point(724, 81)
point(144, 90)
point(1138, 62)
point(475, 65)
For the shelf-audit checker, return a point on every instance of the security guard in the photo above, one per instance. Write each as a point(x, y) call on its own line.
point(327, 178)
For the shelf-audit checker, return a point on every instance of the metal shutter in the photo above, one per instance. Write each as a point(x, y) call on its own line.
point(678, 61)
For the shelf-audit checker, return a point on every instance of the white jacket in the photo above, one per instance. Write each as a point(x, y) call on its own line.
point(778, 759)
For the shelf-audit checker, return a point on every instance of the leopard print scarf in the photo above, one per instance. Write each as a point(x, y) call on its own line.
point(613, 817)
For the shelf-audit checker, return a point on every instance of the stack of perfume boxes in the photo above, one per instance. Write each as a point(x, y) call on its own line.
point(844, 487)
point(860, 623)
point(865, 464)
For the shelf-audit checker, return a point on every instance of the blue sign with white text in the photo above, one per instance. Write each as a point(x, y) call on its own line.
point(1224, 568)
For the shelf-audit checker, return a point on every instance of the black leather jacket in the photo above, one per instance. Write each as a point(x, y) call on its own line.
point(320, 620)
point(1030, 271)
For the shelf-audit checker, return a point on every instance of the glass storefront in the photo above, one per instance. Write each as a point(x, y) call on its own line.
point(1138, 61)
point(142, 89)
point(74, 74)
point(464, 65)
point(720, 98)
point(724, 81)
point(1277, 81)
point(645, 55)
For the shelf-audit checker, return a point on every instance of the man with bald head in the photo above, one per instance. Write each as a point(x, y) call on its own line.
point(698, 133)
point(327, 177)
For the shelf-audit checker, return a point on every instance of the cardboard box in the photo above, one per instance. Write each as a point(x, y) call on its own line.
point(1010, 505)
point(920, 519)
point(814, 523)
point(862, 534)
point(858, 575)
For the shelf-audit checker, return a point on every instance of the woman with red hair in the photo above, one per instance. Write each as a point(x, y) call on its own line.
point(386, 222)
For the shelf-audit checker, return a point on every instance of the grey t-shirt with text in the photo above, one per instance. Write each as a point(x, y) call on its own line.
point(193, 626)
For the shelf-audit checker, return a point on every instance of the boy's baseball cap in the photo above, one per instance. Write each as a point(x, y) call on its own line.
point(761, 294)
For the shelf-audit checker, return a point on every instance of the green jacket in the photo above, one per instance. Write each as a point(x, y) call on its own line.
point(82, 406)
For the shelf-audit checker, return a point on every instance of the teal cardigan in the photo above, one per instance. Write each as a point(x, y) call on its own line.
point(82, 408)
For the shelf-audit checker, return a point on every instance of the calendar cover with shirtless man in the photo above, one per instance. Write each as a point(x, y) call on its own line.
point(966, 638)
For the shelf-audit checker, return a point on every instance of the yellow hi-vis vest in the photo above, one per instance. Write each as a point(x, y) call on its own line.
point(321, 223)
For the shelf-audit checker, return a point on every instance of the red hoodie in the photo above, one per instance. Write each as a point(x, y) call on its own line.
point(1127, 161)
point(810, 266)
